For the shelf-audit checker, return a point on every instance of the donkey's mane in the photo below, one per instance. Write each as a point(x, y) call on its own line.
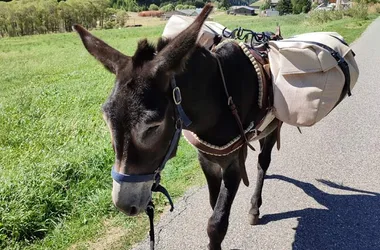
point(145, 52)
point(162, 42)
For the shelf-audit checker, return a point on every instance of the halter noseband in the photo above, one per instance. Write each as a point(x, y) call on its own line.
point(181, 120)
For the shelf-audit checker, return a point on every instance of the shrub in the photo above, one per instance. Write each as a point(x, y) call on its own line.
point(167, 8)
point(121, 18)
point(300, 6)
point(313, 5)
point(359, 11)
point(30, 17)
point(265, 5)
point(224, 3)
point(216, 4)
point(323, 16)
point(184, 7)
point(374, 8)
point(284, 7)
point(110, 24)
point(153, 7)
point(199, 4)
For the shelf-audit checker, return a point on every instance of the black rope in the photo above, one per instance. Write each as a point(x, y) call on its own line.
point(165, 192)
point(150, 212)
point(246, 35)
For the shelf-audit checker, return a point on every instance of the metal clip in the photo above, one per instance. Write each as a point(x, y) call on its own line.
point(178, 124)
point(177, 96)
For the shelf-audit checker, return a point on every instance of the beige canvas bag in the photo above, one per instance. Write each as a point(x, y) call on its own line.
point(177, 23)
point(307, 80)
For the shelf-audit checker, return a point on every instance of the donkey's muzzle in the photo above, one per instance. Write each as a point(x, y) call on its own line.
point(131, 198)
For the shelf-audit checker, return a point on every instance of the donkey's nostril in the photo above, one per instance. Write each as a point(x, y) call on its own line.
point(133, 211)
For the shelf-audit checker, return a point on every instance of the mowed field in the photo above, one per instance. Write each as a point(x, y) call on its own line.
point(55, 150)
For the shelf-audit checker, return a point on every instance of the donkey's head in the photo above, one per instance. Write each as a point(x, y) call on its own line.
point(140, 111)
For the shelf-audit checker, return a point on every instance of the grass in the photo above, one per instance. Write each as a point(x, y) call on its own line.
point(55, 151)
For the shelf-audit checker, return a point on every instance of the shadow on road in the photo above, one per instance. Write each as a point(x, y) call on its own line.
point(348, 222)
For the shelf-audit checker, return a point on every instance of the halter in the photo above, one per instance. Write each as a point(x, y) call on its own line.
point(181, 120)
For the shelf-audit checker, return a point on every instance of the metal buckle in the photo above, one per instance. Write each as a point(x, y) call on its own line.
point(255, 132)
point(177, 96)
point(178, 124)
point(229, 102)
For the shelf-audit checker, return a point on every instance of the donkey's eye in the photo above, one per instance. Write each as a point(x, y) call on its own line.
point(151, 129)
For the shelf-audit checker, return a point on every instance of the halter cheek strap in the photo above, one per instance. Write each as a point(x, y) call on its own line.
point(181, 120)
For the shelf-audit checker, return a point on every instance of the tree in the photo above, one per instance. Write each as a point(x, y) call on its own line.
point(265, 5)
point(153, 7)
point(284, 7)
point(118, 4)
point(121, 18)
point(28, 17)
point(224, 4)
point(199, 4)
point(131, 5)
point(300, 6)
point(167, 8)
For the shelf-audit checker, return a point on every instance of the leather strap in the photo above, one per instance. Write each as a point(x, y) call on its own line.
point(217, 151)
point(266, 79)
point(267, 101)
point(233, 108)
point(278, 134)
point(266, 117)
point(235, 113)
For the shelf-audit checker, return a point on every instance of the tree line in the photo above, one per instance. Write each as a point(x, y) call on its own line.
point(28, 17)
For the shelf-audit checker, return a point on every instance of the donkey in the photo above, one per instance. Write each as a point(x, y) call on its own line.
point(142, 117)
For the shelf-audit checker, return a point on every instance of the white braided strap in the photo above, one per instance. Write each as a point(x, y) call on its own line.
point(258, 72)
point(248, 129)
point(254, 63)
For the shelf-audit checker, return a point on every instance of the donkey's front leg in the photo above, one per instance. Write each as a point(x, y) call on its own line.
point(218, 223)
point(213, 173)
point(266, 145)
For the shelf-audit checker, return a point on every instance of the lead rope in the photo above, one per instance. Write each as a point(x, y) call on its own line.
point(150, 212)
point(182, 120)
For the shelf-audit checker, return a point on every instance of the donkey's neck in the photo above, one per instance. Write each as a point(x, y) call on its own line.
point(204, 98)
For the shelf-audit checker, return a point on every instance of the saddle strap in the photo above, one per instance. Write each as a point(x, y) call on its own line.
point(235, 113)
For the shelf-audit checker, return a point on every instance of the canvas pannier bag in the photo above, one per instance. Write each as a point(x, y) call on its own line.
point(308, 81)
point(177, 23)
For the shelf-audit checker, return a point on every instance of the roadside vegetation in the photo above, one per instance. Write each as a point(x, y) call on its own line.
point(55, 150)
point(30, 17)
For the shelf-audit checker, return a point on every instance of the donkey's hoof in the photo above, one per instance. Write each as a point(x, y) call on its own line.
point(253, 219)
point(214, 247)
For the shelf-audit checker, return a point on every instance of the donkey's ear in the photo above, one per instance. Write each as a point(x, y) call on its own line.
point(112, 59)
point(174, 55)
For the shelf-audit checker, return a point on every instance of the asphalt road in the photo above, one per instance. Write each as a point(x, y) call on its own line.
point(323, 189)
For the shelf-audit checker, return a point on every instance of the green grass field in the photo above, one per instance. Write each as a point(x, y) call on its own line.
point(55, 151)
